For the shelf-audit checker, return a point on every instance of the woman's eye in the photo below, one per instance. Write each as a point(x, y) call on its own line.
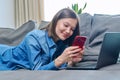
point(65, 25)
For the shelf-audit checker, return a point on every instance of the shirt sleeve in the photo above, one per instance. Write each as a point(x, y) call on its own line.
point(37, 60)
point(51, 66)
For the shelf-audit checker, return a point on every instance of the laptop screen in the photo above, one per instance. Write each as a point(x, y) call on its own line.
point(110, 48)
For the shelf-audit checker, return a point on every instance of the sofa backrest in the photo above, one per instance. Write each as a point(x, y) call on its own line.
point(85, 24)
point(101, 23)
point(43, 24)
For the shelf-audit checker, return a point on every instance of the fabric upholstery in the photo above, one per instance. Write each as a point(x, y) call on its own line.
point(5, 31)
point(85, 24)
point(14, 36)
point(101, 23)
point(43, 24)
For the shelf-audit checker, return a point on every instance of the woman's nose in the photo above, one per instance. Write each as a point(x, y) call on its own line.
point(68, 30)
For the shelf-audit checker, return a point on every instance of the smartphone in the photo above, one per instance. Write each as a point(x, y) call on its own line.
point(79, 41)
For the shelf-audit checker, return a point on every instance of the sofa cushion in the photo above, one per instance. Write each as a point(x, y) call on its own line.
point(114, 67)
point(85, 24)
point(43, 24)
point(101, 23)
point(14, 37)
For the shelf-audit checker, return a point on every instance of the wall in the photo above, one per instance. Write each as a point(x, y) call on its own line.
point(7, 13)
point(52, 6)
point(93, 6)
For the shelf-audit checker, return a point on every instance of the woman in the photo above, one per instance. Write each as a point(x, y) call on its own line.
point(46, 49)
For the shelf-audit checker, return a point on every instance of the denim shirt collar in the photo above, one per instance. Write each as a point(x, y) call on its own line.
point(50, 41)
point(52, 45)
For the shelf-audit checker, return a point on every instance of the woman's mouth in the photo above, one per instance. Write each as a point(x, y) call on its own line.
point(65, 36)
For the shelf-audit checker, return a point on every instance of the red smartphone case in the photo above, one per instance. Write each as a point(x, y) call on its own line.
point(79, 41)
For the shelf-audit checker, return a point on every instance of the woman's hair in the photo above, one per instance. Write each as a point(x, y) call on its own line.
point(64, 13)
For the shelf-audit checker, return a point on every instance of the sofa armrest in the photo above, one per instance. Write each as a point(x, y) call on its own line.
point(15, 36)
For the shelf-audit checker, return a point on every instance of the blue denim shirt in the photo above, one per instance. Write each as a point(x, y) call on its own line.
point(35, 52)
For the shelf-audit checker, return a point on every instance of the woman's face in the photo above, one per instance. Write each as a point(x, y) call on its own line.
point(65, 28)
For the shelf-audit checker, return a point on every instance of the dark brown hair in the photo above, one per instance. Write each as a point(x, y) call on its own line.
point(63, 13)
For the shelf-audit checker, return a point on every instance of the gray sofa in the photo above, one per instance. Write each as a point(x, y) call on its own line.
point(92, 26)
point(95, 27)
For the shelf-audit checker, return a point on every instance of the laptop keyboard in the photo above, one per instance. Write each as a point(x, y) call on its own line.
point(86, 64)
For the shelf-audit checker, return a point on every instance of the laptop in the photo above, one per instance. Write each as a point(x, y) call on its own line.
point(109, 54)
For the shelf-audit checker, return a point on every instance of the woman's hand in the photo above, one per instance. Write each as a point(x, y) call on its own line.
point(76, 58)
point(71, 54)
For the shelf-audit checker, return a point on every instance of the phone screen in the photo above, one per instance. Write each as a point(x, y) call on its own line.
point(79, 41)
